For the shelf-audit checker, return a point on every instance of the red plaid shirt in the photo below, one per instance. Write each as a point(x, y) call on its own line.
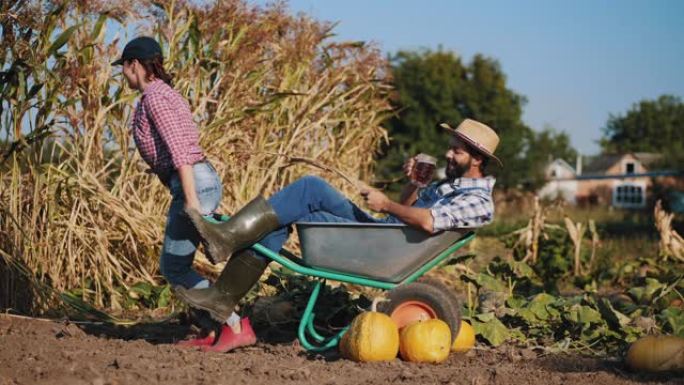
point(163, 130)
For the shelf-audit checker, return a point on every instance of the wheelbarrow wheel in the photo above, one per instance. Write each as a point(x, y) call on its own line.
point(453, 297)
point(423, 300)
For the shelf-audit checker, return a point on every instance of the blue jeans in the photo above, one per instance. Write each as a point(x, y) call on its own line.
point(310, 199)
point(181, 237)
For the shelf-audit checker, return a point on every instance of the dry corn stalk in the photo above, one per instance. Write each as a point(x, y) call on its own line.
point(529, 235)
point(671, 243)
point(78, 210)
point(595, 241)
point(576, 232)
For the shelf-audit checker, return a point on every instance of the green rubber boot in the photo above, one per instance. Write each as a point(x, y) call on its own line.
point(240, 274)
point(246, 227)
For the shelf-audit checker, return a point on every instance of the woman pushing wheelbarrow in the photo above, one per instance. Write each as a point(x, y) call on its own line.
point(462, 200)
point(168, 141)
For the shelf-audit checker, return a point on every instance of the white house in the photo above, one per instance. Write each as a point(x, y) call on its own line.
point(561, 182)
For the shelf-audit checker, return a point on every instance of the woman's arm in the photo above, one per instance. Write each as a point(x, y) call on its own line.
point(188, 183)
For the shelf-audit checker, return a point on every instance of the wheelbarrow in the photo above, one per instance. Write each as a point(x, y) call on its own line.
point(391, 257)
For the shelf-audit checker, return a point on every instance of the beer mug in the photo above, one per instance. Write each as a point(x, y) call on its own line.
point(423, 169)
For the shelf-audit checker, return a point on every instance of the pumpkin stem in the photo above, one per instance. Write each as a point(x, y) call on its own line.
point(376, 300)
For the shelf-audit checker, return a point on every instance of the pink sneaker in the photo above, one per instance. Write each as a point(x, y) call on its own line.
point(199, 341)
point(228, 340)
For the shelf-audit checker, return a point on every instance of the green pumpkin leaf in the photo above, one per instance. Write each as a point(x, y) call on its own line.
point(583, 314)
point(490, 283)
point(528, 316)
point(614, 318)
point(516, 302)
point(540, 306)
point(517, 334)
point(485, 317)
point(674, 318)
point(522, 269)
point(143, 289)
point(644, 294)
point(492, 330)
point(164, 296)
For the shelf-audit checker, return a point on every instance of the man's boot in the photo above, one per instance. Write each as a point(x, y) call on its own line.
point(247, 226)
point(240, 274)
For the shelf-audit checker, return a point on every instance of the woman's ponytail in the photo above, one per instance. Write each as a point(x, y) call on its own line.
point(154, 66)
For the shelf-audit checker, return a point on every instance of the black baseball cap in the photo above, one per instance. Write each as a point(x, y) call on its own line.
point(143, 47)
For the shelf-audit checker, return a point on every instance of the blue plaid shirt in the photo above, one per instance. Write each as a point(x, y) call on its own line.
point(462, 203)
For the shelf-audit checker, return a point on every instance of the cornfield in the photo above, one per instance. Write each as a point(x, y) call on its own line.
point(266, 88)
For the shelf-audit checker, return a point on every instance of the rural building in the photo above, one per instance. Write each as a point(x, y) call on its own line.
point(621, 180)
point(561, 182)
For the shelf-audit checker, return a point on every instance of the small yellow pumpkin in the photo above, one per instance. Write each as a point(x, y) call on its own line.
point(465, 340)
point(425, 341)
point(372, 336)
point(656, 354)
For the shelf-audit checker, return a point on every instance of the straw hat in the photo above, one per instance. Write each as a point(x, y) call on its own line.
point(478, 135)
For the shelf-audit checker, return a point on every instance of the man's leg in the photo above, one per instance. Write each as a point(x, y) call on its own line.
point(248, 225)
point(260, 217)
point(309, 198)
point(312, 194)
point(275, 240)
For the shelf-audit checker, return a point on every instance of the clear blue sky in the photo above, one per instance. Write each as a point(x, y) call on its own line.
point(575, 61)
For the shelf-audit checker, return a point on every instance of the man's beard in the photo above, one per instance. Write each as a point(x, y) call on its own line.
point(455, 170)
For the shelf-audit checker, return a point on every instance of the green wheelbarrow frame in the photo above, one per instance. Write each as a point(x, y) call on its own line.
point(306, 331)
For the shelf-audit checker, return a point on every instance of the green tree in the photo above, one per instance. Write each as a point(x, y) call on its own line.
point(542, 147)
point(649, 126)
point(436, 86)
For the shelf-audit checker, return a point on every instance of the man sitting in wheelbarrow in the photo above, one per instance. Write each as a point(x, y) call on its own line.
point(462, 200)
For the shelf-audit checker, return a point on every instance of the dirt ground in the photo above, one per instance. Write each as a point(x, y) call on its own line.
point(47, 352)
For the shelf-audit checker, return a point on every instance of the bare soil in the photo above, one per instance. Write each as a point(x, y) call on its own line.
point(34, 351)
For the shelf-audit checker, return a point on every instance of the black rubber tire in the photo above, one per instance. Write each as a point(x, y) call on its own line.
point(434, 294)
point(453, 297)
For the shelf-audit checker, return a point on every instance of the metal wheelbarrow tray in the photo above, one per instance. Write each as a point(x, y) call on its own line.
point(386, 252)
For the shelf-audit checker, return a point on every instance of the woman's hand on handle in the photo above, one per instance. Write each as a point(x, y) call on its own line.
point(187, 179)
